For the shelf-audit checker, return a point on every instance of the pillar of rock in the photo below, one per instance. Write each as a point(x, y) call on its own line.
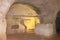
point(4, 7)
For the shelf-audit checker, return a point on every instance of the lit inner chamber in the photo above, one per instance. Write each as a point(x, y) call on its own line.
point(23, 16)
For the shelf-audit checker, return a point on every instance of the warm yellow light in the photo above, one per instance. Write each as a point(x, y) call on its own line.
point(22, 9)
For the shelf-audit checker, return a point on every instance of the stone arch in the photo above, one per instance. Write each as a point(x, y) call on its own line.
point(57, 22)
point(5, 5)
point(27, 6)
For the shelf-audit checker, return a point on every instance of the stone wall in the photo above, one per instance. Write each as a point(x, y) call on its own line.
point(4, 7)
point(48, 8)
point(48, 11)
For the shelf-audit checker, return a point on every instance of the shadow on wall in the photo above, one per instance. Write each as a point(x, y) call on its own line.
point(58, 23)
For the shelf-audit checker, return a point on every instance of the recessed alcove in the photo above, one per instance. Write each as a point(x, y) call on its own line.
point(57, 23)
point(22, 17)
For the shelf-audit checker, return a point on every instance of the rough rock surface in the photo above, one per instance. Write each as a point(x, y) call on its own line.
point(45, 30)
point(4, 7)
point(49, 9)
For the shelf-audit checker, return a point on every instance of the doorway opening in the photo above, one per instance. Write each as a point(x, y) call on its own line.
point(58, 23)
point(21, 18)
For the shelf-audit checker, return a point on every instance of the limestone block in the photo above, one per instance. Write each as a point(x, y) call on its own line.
point(45, 29)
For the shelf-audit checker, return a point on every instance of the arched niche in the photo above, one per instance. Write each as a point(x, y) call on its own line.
point(17, 14)
point(57, 22)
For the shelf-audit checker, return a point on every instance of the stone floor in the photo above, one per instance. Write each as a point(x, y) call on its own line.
point(31, 36)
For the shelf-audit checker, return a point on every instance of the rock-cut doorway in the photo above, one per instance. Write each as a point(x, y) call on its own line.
point(21, 18)
point(58, 23)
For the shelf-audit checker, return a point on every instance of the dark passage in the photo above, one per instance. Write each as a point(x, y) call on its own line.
point(58, 23)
